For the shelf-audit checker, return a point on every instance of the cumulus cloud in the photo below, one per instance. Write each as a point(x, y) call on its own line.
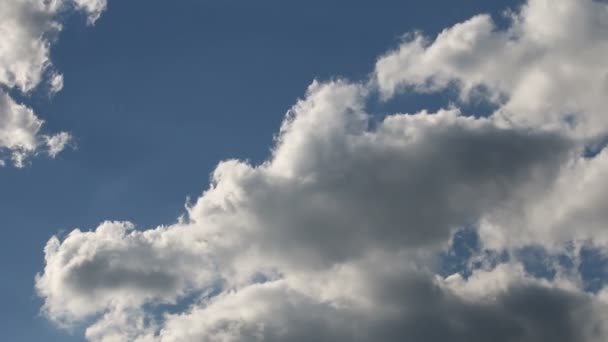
point(337, 235)
point(28, 28)
point(87, 269)
point(546, 69)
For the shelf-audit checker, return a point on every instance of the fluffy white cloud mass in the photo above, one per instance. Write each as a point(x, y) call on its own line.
point(27, 30)
point(546, 69)
point(340, 234)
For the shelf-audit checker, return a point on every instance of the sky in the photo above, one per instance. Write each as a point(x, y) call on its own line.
point(203, 170)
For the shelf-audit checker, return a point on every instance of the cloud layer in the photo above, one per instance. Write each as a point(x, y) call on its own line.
point(338, 235)
point(28, 29)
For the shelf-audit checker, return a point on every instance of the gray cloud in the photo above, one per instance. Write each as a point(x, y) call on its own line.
point(408, 307)
point(99, 274)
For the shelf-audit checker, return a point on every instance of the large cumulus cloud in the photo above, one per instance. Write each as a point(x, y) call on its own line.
point(28, 28)
point(337, 235)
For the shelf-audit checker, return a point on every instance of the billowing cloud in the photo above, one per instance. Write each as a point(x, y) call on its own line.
point(337, 235)
point(546, 69)
point(87, 269)
point(28, 28)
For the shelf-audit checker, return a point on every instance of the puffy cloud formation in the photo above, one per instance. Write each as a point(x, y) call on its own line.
point(546, 69)
point(28, 28)
point(338, 235)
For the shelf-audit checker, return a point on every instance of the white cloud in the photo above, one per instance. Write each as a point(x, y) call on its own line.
point(336, 236)
point(20, 132)
point(546, 69)
point(86, 271)
point(55, 83)
point(18, 126)
point(57, 143)
point(28, 28)
point(93, 8)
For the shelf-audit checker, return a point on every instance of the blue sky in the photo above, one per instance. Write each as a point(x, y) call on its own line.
point(156, 93)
